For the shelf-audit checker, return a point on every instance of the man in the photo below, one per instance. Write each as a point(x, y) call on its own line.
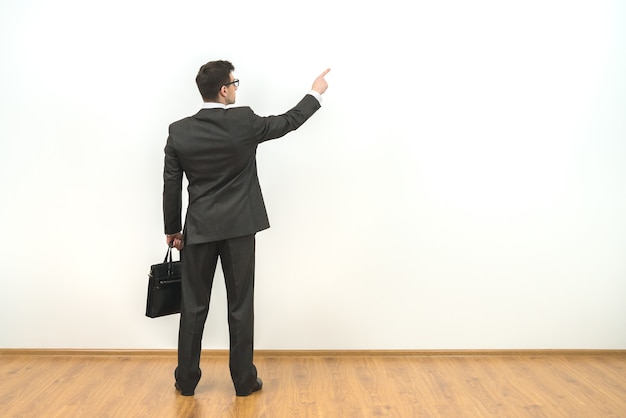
point(216, 149)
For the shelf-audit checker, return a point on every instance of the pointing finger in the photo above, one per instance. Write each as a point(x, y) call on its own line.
point(324, 73)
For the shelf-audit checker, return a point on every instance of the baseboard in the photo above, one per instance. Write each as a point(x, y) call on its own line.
point(317, 353)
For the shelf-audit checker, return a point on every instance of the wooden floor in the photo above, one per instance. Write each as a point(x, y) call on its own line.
point(318, 384)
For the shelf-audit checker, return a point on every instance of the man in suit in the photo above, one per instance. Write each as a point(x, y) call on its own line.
point(216, 150)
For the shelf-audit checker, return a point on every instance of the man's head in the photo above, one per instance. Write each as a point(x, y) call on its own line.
point(216, 82)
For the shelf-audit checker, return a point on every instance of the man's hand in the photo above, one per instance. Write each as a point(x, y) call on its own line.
point(176, 240)
point(320, 85)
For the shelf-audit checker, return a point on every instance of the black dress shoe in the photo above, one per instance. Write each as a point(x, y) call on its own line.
point(256, 388)
point(183, 392)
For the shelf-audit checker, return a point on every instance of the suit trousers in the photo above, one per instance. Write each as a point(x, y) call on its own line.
point(199, 261)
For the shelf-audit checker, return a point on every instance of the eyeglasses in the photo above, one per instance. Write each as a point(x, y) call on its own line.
point(235, 82)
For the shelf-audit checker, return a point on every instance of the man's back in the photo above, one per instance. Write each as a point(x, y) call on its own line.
point(216, 148)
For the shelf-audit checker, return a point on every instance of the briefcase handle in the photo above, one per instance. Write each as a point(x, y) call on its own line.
point(168, 258)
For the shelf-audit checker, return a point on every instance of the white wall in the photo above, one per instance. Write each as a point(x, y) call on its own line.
point(462, 187)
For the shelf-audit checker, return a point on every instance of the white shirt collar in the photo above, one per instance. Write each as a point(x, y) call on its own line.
point(213, 105)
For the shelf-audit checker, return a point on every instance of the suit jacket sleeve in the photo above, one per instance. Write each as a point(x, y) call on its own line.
point(272, 127)
point(172, 190)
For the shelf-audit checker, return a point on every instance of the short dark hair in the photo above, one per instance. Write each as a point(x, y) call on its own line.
point(212, 76)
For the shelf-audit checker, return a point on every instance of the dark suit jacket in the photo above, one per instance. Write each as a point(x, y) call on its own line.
point(216, 149)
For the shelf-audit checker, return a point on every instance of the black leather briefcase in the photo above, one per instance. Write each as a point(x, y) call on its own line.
point(164, 287)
